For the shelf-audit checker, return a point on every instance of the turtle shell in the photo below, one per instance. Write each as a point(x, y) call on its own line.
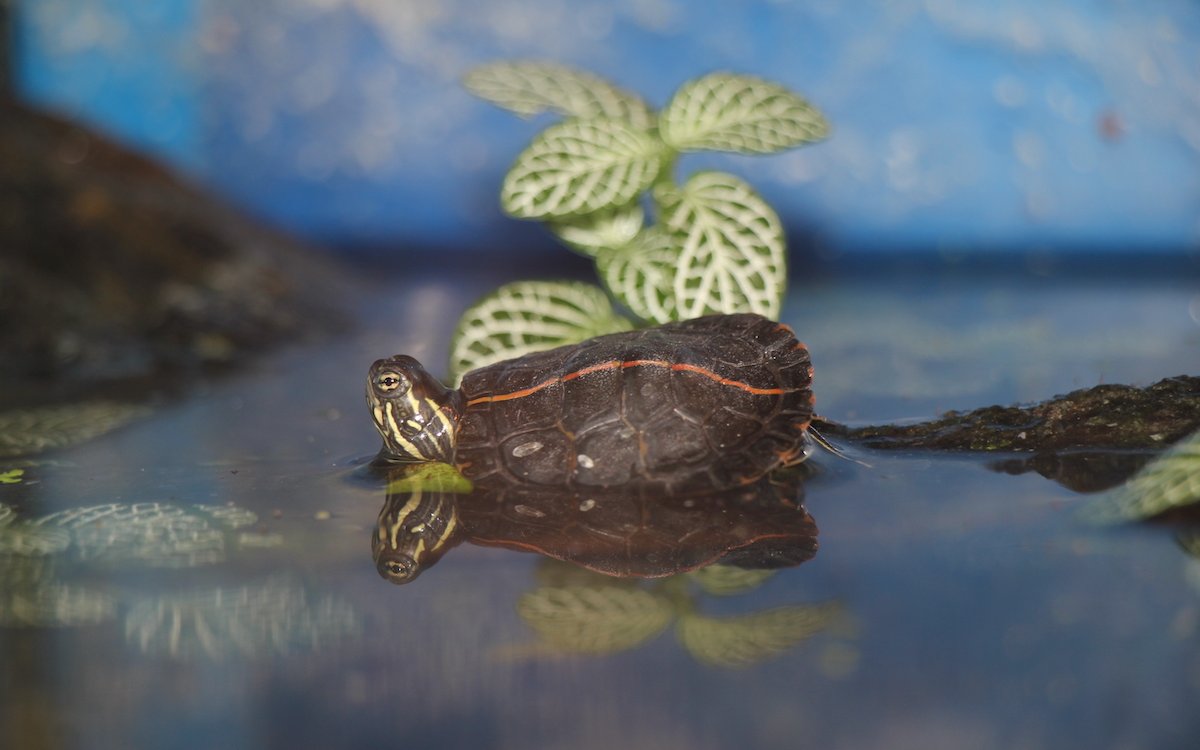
point(700, 404)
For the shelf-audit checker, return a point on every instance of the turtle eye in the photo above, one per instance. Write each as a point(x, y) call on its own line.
point(389, 381)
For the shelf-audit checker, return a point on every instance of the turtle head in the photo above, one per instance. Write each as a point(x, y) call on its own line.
point(415, 529)
point(416, 415)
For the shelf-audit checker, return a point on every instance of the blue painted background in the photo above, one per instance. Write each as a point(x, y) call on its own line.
point(959, 127)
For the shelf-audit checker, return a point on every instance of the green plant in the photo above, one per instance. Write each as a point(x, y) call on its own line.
point(1169, 482)
point(715, 246)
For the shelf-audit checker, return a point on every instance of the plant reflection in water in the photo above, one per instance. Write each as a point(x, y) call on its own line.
point(40, 555)
point(623, 566)
point(271, 617)
point(28, 431)
point(575, 611)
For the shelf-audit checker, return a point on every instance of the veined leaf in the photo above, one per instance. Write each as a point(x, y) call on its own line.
point(731, 247)
point(25, 538)
point(726, 112)
point(718, 248)
point(160, 535)
point(641, 274)
point(557, 574)
point(726, 580)
point(429, 477)
point(529, 88)
point(610, 228)
point(529, 316)
point(595, 620)
point(54, 605)
point(276, 616)
point(749, 639)
point(27, 431)
point(578, 167)
point(1170, 481)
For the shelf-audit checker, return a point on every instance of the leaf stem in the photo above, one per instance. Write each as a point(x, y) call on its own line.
point(666, 169)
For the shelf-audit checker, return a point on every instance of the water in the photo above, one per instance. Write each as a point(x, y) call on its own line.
point(949, 605)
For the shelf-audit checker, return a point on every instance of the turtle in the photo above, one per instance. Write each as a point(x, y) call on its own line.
point(702, 404)
point(630, 532)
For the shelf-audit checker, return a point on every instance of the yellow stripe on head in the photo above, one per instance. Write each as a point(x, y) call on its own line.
point(396, 436)
point(414, 413)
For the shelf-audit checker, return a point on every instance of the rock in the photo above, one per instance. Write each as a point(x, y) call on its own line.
point(1088, 440)
point(1104, 417)
point(113, 268)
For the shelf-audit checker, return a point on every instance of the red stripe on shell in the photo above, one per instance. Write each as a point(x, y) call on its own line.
point(614, 364)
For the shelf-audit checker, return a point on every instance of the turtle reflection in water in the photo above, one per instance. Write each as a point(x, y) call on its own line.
point(699, 405)
point(634, 532)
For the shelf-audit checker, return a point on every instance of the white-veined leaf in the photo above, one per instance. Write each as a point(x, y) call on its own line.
point(641, 274)
point(732, 251)
point(27, 431)
point(579, 167)
point(1170, 481)
point(156, 534)
point(529, 316)
point(610, 228)
point(54, 605)
point(749, 639)
point(726, 580)
point(25, 538)
point(529, 88)
point(595, 619)
point(557, 574)
point(727, 112)
point(277, 616)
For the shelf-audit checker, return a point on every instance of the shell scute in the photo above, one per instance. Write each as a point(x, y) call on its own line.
point(539, 456)
point(611, 460)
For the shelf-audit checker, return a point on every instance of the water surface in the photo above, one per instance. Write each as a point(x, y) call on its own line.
point(215, 586)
